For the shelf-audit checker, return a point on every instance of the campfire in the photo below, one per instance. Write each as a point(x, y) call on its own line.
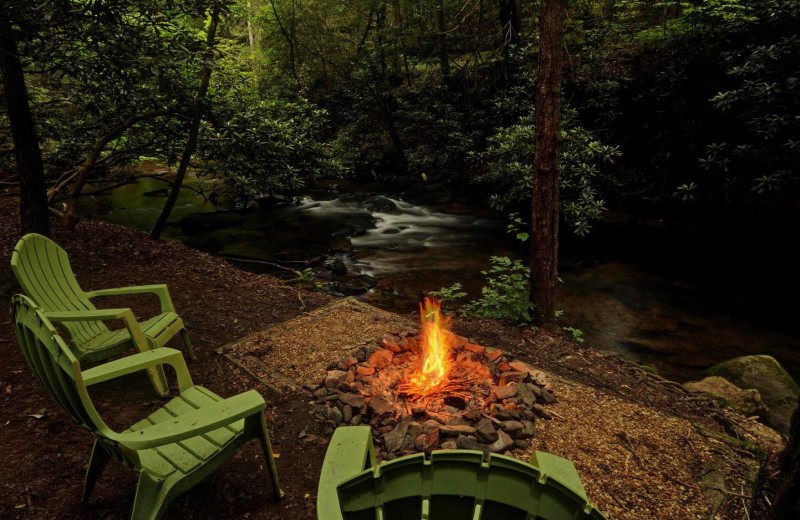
point(433, 378)
point(435, 390)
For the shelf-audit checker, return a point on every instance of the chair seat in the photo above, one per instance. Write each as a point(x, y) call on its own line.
point(153, 329)
point(181, 458)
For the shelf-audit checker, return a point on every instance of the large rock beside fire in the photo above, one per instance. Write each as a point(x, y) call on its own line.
point(456, 430)
point(380, 408)
point(352, 400)
point(485, 431)
point(380, 359)
point(335, 377)
point(504, 442)
point(393, 440)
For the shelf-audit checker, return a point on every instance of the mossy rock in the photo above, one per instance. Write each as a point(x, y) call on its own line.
point(748, 402)
point(777, 388)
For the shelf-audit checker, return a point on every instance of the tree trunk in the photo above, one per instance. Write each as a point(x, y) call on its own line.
point(191, 143)
point(441, 40)
point(33, 210)
point(544, 221)
point(250, 38)
point(290, 40)
point(786, 503)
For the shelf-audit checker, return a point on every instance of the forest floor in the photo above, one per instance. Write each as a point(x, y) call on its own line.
point(643, 446)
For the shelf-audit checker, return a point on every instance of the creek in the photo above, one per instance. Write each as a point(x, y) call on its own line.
point(655, 300)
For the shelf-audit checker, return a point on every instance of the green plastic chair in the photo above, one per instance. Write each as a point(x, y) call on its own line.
point(451, 485)
point(43, 270)
point(173, 448)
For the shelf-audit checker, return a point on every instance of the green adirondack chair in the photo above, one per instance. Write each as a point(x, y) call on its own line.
point(173, 448)
point(451, 485)
point(43, 270)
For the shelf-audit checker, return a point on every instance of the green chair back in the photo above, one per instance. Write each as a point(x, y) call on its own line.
point(43, 270)
point(461, 485)
point(58, 370)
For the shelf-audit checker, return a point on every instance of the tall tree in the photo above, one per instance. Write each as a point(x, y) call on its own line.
point(194, 130)
point(33, 208)
point(546, 167)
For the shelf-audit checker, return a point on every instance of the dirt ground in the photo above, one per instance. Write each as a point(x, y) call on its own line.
point(44, 453)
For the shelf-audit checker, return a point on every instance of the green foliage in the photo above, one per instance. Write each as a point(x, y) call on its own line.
point(577, 334)
point(508, 161)
point(266, 148)
point(91, 66)
point(306, 279)
point(763, 95)
point(505, 294)
point(516, 226)
point(710, 111)
point(702, 97)
point(449, 294)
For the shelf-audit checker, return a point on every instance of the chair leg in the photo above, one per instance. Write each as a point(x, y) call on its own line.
point(188, 345)
point(159, 380)
point(97, 462)
point(150, 498)
point(263, 437)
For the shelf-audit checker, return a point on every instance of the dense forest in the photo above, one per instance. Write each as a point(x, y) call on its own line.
point(683, 104)
point(690, 108)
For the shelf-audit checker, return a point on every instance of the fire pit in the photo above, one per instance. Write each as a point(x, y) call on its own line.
point(435, 390)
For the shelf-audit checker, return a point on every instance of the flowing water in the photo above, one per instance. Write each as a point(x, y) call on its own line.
point(651, 315)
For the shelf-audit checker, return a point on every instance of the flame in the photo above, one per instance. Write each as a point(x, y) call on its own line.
point(434, 349)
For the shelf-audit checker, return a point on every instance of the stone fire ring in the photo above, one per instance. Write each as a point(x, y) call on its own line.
point(498, 415)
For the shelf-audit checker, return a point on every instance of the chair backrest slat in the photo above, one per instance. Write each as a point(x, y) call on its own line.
point(43, 270)
point(460, 485)
point(52, 362)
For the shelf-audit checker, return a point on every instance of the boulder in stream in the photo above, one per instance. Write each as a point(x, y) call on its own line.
point(777, 388)
point(371, 203)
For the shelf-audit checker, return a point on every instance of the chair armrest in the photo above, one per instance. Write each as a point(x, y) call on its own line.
point(140, 361)
point(159, 290)
point(98, 314)
point(194, 423)
point(126, 315)
point(349, 453)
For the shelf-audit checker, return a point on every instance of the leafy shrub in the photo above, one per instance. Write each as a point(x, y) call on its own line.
point(306, 279)
point(267, 148)
point(577, 334)
point(508, 158)
point(505, 294)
